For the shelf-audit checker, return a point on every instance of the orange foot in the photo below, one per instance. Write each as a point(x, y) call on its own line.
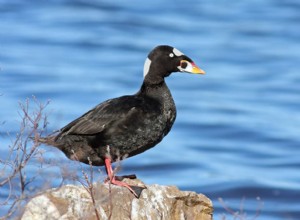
point(117, 180)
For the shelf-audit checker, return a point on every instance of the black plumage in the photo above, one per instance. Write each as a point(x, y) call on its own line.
point(123, 127)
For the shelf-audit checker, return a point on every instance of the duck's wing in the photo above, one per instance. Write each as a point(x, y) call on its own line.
point(110, 112)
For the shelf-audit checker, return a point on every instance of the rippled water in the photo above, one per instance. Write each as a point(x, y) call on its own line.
point(236, 136)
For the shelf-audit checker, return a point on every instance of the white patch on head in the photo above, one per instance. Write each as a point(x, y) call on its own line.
point(177, 52)
point(147, 66)
point(171, 55)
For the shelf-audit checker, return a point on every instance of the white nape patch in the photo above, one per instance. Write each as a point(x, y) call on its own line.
point(147, 66)
point(177, 52)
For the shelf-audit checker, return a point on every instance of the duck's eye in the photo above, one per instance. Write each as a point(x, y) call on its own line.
point(183, 64)
point(171, 55)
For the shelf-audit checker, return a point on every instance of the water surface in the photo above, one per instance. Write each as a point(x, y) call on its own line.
point(236, 136)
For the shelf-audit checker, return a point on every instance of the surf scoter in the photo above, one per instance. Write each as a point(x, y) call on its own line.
point(123, 127)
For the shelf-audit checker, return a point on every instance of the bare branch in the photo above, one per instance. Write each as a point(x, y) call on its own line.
point(87, 183)
point(241, 213)
point(24, 148)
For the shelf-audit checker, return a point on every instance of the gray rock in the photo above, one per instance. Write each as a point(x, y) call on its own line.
point(117, 203)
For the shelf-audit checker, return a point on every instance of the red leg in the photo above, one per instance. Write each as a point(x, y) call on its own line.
point(108, 168)
point(116, 182)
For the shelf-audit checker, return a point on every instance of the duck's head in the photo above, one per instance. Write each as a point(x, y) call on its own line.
point(163, 60)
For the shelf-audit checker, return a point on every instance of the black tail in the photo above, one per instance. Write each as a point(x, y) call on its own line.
point(49, 140)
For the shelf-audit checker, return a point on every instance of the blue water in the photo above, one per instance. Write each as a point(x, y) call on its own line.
point(236, 136)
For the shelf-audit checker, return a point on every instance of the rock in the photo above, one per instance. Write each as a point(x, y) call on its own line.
point(117, 203)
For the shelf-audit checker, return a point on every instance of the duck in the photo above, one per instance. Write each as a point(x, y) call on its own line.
point(123, 127)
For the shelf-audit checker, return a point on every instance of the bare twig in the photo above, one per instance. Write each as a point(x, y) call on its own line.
point(259, 208)
point(87, 183)
point(229, 210)
point(22, 150)
point(241, 215)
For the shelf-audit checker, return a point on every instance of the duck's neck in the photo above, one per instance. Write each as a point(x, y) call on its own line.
point(160, 92)
point(154, 90)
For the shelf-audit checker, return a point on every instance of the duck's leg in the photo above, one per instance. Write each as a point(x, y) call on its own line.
point(136, 190)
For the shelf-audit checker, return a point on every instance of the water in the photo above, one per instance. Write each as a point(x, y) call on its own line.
point(236, 136)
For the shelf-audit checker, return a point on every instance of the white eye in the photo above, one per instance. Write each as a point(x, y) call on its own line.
point(171, 54)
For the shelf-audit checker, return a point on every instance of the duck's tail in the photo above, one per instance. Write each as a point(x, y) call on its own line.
point(49, 140)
